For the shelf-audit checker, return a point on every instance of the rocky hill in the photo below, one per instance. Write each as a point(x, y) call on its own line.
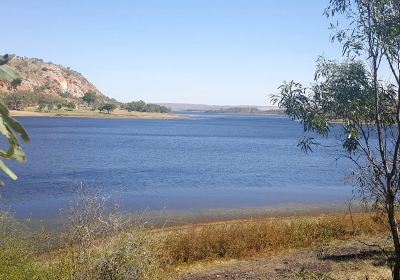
point(35, 75)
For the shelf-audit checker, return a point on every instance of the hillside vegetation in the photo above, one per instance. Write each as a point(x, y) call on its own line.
point(46, 77)
point(31, 84)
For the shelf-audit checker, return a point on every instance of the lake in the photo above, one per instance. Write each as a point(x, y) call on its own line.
point(206, 162)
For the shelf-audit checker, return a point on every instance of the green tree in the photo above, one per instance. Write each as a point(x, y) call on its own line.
point(141, 106)
point(4, 59)
point(367, 106)
point(89, 97)
point(108, 107)
point(16, 83)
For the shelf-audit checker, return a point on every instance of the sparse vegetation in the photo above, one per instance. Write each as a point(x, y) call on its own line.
point(37, 75)
point(50, 102)
point(91, 247)
point(100, 243)
point(19, 100)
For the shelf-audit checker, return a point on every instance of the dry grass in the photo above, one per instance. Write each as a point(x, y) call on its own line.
point(359, 270)
point(238, 239)
point(92, 245)
point(101, 244)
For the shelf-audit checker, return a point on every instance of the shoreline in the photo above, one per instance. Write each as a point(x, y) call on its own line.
point(183, 218)
point(176, 218)
point(205, 251)
point(118, 114)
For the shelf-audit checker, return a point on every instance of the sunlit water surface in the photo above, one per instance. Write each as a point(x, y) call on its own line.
point(206, 162)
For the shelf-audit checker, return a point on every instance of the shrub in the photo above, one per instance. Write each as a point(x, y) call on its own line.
point(18, 248)
point(16, 83)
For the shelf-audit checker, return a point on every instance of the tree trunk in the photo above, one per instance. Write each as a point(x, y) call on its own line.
point(396, 270)
point(395, 235)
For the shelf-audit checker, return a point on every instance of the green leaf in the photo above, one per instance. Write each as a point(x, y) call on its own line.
point(11, 130)
point(7, 170)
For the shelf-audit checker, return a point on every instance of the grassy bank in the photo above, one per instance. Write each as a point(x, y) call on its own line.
point(117, 114)
point(244, 238)
point(99, 246)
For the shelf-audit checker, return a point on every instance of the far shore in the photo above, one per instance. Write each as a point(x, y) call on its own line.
point(117, 114)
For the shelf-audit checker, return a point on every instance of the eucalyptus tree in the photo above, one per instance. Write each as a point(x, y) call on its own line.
point(11, 130)
point(363, 95)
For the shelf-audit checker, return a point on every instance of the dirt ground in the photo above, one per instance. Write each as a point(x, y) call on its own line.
point(347, 260)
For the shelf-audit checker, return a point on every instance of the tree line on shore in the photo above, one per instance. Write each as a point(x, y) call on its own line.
point(20, 100)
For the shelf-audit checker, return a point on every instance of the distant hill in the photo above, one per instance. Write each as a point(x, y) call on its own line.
point(227, 109)
point(248, 110)
point(36, 75)
point(191, 107)
point(33, 75)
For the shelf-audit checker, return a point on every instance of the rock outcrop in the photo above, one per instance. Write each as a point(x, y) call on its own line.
point(32, 75)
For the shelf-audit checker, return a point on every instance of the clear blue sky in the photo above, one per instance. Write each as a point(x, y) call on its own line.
point(203, 51)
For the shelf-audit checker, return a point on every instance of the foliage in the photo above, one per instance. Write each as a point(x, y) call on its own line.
point(19, 100)
point(4, 59)
point(141, 106)
point(90, 246)
point(97, 242)
point(107, 107)
point(7, 73)
point(367, 107)
point(66, 94)
point(18, 247)
point(340, 92)
point(11, 130)
point(16, 83)
point(190, 244)
point(70, 105)
point(50, 102)
point(89, 97)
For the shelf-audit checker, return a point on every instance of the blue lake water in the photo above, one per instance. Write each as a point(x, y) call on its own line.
point(208, 161)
